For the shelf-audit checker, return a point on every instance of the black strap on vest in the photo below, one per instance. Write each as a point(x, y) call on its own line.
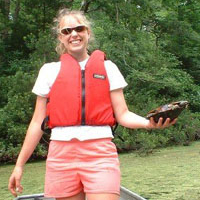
point(44, 125)
point(46, 129)
point(115, 133)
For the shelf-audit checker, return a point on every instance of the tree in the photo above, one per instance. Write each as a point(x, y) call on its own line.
point(154, 43)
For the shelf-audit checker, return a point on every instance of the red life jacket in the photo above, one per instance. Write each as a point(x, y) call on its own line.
point(80, 97)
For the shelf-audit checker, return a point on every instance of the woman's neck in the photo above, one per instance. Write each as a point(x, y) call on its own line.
point(80, 57)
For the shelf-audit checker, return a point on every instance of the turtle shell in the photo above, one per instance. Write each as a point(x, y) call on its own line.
point(172, 111)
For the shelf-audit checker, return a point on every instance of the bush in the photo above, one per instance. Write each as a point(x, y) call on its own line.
point(16, 115)
point(185, 131)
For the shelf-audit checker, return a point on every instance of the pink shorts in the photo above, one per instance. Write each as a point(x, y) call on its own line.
point(91, 166)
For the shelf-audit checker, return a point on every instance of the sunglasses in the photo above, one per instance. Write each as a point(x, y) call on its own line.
point(78, 29)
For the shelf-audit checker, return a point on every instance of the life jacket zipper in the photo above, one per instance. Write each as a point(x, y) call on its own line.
point(83, 97)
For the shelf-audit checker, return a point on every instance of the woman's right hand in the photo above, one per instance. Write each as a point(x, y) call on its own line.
point(14, 182)
point(32, 138)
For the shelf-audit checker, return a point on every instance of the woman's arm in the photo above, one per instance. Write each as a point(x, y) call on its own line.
point(129, 119)
point(33, 136)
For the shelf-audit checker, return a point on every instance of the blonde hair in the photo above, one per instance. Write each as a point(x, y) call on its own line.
point(79, 15)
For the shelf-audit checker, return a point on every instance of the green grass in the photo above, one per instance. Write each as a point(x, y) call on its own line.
point(171, 173)
point(32, 182)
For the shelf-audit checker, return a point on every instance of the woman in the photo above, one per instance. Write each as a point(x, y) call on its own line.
point(82, 160)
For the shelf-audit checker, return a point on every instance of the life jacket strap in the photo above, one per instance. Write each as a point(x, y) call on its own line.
point(115, 133)
point(44, 125)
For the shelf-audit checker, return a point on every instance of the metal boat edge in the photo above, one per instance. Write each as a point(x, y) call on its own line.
point(125, 194)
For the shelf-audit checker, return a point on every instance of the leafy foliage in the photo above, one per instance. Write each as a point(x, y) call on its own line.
point(155, 44)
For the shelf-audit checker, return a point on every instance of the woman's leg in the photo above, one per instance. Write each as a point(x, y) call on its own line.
point(104, 196)
point(100, 175)
point(62, 180)
point(80, 196)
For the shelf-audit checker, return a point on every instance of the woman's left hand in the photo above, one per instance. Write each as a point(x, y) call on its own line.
point(160, 125)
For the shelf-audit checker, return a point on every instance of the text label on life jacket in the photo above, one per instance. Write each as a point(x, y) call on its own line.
point(99, 76)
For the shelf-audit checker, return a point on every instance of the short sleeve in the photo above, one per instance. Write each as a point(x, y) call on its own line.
point(46, 78)
point(115, 77)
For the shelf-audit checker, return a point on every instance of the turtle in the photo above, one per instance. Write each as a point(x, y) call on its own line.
point(171, 110)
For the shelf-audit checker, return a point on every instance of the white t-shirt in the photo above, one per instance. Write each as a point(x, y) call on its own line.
point(47, 76)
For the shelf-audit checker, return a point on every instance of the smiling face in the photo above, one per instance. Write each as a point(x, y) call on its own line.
point(75, 42)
